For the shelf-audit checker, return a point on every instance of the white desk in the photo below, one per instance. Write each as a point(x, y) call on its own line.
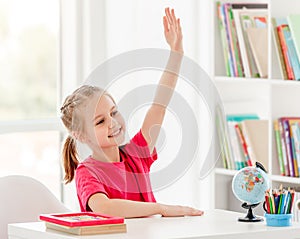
point(214, 224)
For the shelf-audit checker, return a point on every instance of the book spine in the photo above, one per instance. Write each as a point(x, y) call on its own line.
point(247, 23)
point(284, 150)
point(237, 52)
point(222, 151)
point(294, 24)
point(227, 31)
point(278, 147)
point(279, 51)
point(296, 139)
point(294, 152)
point(291, 52)
point(241, 41)
point(236, 146)
point(244, 145)
point(288, 145)
point(231, 44)
point(283, 45)
point(221, 24)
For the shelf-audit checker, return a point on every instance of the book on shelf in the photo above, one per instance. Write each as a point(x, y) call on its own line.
point(291, 50)
point(84, 223)
point(287, 136)
point(294, 24)
point(280, 151)
point(256, 134)
point(282, 66)
point(244, 140)
point(258, 41)
point(244, 19)
point(243, 54)
point(287, 44)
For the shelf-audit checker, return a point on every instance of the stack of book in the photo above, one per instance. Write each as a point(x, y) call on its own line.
point(243, 141)
point(287, 137)
point(84, 223)
point(286, 31)
point(244, 37)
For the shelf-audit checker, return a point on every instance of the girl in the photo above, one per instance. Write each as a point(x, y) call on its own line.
point(114, 180)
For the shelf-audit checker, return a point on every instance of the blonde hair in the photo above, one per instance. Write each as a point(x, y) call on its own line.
point(73, 121)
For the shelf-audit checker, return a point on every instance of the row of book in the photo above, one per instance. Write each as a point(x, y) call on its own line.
point(286, 31)
point(244, 37)
point(287, 137)
point(243, 140)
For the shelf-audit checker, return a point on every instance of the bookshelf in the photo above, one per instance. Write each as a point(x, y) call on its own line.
point(270, 98)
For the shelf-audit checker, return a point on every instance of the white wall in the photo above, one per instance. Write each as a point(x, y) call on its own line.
point(94, 31)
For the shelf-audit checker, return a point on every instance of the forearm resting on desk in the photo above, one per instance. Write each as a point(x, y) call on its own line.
point(100, 203)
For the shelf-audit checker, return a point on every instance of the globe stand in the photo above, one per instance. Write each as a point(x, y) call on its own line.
point(250, 217)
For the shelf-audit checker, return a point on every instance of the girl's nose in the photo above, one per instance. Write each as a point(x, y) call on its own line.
point(112, 123)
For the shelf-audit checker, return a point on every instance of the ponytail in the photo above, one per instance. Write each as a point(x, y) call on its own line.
point(72, 120)
point(70, 160)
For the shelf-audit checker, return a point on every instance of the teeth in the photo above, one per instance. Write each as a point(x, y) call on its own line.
point(115, 133)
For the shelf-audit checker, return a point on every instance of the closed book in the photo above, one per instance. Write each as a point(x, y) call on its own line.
point(280, 154)
point(287, 60)
point(246, 14)
point(256, 134)
point(294, 24)
point(89, 230)
point(295, 127)
point(258, 40)
point(84, 223)
point(236, 146)
point(288, 144)
point(291, 51)
point(226, 53)
point(276, 22)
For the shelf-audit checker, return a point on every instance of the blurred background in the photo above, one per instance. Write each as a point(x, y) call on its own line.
point(49, 47)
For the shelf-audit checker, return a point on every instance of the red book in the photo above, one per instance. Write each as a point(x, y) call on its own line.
point(244, 144)
point(289, 69)
point(84, 223)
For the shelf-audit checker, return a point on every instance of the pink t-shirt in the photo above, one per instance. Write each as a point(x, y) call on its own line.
point(127, 179)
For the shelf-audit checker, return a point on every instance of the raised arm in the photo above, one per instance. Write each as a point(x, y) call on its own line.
point(155, 115)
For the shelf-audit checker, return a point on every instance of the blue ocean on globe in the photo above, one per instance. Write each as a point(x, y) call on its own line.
point(249, 185)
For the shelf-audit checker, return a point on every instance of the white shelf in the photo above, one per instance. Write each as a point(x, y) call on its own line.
point(240, 80)
point(285, 179)
point(269, 98)
point(224, 171)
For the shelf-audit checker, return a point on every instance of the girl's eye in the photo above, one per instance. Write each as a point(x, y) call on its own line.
point(100, 122)
point(114, 113)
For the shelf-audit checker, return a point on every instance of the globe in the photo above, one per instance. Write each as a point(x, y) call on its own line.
point(249, 185)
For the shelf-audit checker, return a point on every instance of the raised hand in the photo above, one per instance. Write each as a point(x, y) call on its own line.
point(172, 30)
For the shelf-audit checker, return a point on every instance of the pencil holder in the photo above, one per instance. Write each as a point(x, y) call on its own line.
point(278, 220)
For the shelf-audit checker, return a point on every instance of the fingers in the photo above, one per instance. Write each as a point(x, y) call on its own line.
point(171, 18)
point(166, 24)
point(168, 15)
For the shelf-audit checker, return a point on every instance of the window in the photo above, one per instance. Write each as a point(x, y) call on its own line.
point(29, 88)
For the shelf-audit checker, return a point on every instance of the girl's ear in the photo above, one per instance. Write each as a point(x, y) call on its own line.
point(78, 136)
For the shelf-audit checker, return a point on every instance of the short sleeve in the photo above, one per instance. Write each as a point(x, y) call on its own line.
point(86, 186)
point(138, 148)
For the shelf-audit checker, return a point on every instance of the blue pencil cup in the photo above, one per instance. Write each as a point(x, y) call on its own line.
point(278, 220)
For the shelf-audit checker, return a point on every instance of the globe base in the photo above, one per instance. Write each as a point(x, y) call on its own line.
point(250, 217)
point(246, 219)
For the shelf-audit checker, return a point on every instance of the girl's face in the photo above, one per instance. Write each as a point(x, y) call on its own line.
point(105, 126)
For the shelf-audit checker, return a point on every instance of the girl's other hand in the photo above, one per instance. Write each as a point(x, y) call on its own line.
point(172, 30)
point(176, 211)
